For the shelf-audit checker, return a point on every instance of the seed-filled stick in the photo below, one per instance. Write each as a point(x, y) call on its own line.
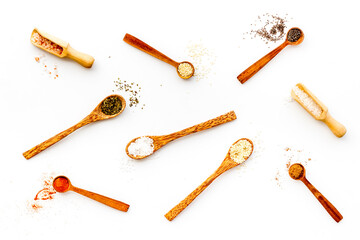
point(59, 48)
point(294, 37)
point(184, 69)
point(108, 108)
point(141, 147)
point(316, 109)
point(239, 152)
point(297, 172)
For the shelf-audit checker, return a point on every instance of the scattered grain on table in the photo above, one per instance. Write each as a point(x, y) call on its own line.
point(130, 90)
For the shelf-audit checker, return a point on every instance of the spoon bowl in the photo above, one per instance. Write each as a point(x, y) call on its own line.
point(243, 147)
point(96, 115)
point(297, 172)
point(62, 184)
point(137, 43)
point(159, 141)
point(253, 69)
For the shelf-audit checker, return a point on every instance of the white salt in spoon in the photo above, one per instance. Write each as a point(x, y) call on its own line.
point(316, 109)
point(238, 153)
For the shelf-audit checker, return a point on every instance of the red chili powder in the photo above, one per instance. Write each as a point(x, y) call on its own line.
point(61, 184)
point(44, 194)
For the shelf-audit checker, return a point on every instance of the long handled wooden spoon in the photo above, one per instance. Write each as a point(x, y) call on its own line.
point(156, 142)
point(62, 184)
point(297, 172)
point(96, 115)
point(239, 152)
point(59, 48)
point(184, 69)
point(293, 37)
point(316, 109)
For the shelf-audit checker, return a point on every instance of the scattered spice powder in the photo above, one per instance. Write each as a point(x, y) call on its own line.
point(111, 105)
point(241, 151)
point(51, 71)
point(39, 40)
point(307, 101)
point(132, 90)
point(202, 58)
point(142, 146)
point(269, 28)
point(47, 193)
point(294, 35)
point(185, 69)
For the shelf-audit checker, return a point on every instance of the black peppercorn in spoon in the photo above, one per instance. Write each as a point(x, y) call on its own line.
point(297, 172)
point(293, 37)
point(108, 108)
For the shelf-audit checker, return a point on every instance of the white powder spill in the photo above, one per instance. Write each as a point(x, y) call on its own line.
point(142, 146)
point(308, 102)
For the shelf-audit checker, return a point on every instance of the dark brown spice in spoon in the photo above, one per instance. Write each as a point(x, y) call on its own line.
point(294, 35)
point(111, 105)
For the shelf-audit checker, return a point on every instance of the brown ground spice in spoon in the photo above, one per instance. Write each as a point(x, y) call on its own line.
point(111, 105)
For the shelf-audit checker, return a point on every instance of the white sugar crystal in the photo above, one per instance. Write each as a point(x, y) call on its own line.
point(308, 102)
point(143, 146)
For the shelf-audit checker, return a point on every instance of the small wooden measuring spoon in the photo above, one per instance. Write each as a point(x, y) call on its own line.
point(95, 115)
point(185, 69)
point(297, 172)
point(160, 141)
point(67, 51)
point(62, 184)
point(228, 163)
point(337, 128)
point(249, 72)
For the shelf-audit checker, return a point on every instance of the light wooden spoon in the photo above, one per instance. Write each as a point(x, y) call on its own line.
point(334, 213)
point(137, 43)
point(250, 71)
point(227, 164)
point(160, 141)
point(95, 115)
point(62, 184)
point(337, 128)
point(82, 58)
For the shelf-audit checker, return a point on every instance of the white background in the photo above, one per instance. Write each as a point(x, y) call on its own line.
point(244, 203)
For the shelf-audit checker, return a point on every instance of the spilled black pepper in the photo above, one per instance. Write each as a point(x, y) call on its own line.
point(111, 105)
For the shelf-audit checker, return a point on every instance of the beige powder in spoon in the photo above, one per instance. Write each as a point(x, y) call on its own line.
point(240, 151)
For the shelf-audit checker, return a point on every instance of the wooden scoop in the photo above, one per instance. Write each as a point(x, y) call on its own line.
point(248, 73)
point(95, 115)
point(62, 184)
point(67, 51)
point(337, 128)
point(160, 141)
point(227, 164)
point(334, 213)
point(137, 43)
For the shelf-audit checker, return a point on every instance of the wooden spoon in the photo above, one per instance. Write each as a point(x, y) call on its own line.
point(135, 42)
point(160, 141)
point(337, 128)
point(95, 115)
point(334, 213)
point(62, 184)
point(67, 51)
point(249, 72)
point(227, 164)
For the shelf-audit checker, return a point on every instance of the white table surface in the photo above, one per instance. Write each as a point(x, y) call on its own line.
point(244, 203)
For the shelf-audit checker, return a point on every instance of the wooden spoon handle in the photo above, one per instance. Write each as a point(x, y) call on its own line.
point(184, 203)
point(82, 58)
point(44, 145)
point(334, 213)
point(226, 165)
point(102, 199)
point(230, 116)
point(250, 71)
point(135, 42)
point(337, 128)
